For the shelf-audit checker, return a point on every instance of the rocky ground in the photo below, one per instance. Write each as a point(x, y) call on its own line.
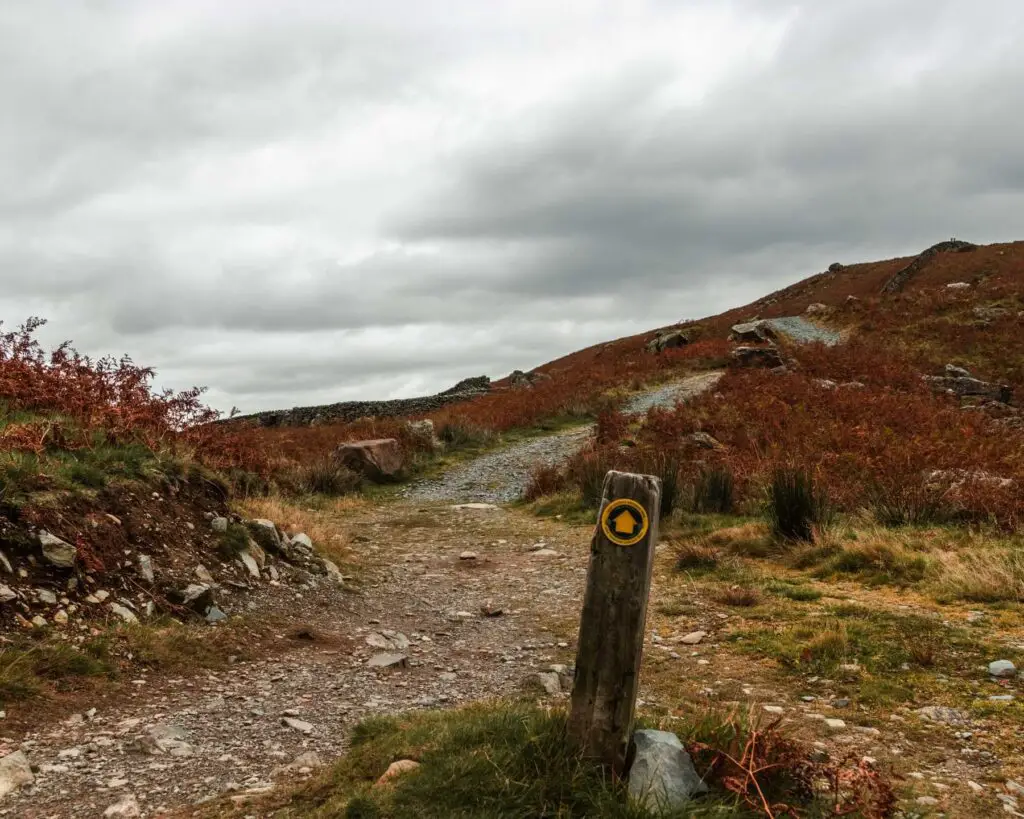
point(437, 623)
point(460, 600)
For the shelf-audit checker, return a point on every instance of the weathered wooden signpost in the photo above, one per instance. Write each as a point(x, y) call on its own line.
point(611, 635)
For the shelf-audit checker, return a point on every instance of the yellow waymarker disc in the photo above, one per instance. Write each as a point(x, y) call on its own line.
point(624, 522)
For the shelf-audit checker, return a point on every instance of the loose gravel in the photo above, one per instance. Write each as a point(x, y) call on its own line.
point(802, 331)
point(465, 629)
point(502, 476)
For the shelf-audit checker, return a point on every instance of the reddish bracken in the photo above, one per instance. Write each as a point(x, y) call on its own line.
point(81, 402)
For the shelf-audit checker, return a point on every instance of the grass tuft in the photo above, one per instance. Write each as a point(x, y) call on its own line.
point(796, 508)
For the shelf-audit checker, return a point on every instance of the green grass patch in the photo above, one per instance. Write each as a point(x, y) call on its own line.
point(791, 591)
point(28, 667)
point(880, 642)
point(508, 761)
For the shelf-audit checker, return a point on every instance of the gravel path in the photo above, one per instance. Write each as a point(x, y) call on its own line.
point(502, 476)
point(179, 742)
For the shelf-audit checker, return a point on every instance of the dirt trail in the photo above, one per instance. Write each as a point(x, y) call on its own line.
point(224, 732)
point(436, 576)
point(501, 476)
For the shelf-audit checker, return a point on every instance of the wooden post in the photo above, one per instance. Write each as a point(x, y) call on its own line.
point(611, 637)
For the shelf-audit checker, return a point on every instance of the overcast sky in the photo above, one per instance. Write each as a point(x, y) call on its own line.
point(304, 202)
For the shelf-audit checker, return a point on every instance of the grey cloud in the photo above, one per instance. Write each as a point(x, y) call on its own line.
point(332, 201)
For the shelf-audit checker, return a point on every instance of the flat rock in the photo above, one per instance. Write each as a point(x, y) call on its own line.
point(251, 566)
point(388, 660)
point(126, 808)
point(298, 725)
point(693, 638)
point(57, 552)
point(15, 771)
point(467, 556)
point(7, 594)
point(545, 553)
point(475, 506)
point(662, 777)
point(219, 524)
point(46, 597)
point(124, 613)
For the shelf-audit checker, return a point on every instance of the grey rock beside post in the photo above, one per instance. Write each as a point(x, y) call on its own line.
point(662, 777)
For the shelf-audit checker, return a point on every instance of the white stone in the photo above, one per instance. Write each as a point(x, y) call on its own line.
point(124, 613)
point(298, 725)
point(15, 771)
point(57, 552)
point(125, 808)
point(693, 638)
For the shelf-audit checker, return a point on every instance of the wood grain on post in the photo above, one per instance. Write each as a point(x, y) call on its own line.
point(611, 637)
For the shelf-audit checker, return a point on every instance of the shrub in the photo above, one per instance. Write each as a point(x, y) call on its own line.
point(695, 555)
point(325, 477)
point(587, 472)
point(739, 596)
point(796, 508)
point(545, 479)
point(458, 434)
point(713, 492)
point(667, 469)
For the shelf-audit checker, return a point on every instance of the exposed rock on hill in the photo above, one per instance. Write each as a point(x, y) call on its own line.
point(346, 411)
point(904, 275)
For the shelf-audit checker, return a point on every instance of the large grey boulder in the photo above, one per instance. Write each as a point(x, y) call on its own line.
point(670, 340)
point(57, 552)
point(380, 460)
point(662, 776)
point(756, 331)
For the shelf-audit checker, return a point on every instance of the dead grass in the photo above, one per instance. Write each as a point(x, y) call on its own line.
point(739, 596)
point(982, 576)
point(747, 540)
point(322, 523)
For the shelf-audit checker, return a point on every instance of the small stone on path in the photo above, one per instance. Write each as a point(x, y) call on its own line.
point(125, 808)
point(298, 724)
point(693, 638)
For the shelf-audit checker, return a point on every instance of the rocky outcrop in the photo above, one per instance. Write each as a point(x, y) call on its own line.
point(900, 278)
point(519, 380)
point(767, 357)
point(669, 340)
point(753, 331)
point(378, 460)
point(961, 382)
point(347, 411)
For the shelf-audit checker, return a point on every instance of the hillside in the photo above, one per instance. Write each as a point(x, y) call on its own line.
point(835, 623)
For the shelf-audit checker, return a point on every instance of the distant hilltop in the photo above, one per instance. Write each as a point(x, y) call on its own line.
point(346, 411)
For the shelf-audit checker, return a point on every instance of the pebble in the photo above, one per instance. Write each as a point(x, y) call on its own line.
point(297, 724)
point(467, 556)
point(774, 709)
point(693, 638)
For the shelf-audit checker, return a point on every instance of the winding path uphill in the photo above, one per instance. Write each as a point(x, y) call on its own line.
point(457, 599)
